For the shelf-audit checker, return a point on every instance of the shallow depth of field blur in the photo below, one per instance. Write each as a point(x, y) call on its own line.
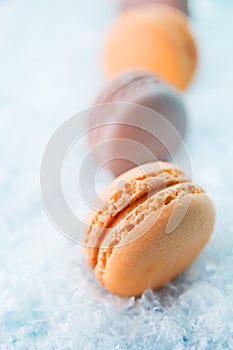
point(49, 298)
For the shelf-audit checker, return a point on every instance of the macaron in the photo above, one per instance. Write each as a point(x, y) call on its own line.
point(152, 223)
point(153, 37)
point(181, 5)
point(136, 87)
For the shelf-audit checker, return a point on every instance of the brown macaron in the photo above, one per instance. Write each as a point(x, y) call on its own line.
point(152, 225)
point(125, 121)
point(181, 5)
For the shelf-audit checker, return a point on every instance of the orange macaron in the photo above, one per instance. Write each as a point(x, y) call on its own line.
point(152, 223)
point(153, 37)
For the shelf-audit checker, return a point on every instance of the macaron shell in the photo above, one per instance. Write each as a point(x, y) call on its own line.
point(152, 37)
point(128, 85)
point(166, 102)
point(179, 4)
point(145, 89)
point(186, 45)
point(156, 257)
point(139, 172)
point(144, 52)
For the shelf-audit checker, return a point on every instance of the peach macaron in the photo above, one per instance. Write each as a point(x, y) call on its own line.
point(153, 37)
point(152, 224)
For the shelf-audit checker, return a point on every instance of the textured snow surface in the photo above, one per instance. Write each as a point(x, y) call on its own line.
point(49, 298)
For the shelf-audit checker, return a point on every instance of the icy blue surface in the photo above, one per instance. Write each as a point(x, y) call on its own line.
point(49, 299)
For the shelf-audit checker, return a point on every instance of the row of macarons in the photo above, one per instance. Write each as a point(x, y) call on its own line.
point(149, 55)
point(152, 221)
